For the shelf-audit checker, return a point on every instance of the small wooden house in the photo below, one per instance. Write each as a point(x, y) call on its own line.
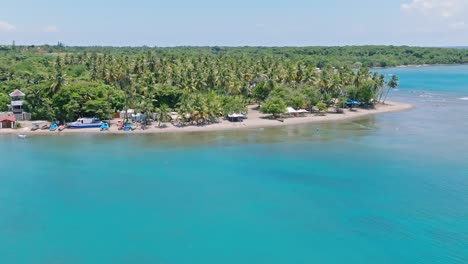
point(7, 122)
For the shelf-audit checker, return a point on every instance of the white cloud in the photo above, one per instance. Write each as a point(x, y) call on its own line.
point(6, 27)
point(443, 8)
point(447, 13)
point(50, 29)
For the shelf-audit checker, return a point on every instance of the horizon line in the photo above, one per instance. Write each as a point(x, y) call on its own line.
point(225, 46)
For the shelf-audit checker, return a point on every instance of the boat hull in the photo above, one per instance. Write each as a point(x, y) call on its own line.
point(97, 125)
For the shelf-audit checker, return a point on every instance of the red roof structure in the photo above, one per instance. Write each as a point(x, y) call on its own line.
point(8, 118)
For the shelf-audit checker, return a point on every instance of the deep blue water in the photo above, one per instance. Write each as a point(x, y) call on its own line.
point(391, 188)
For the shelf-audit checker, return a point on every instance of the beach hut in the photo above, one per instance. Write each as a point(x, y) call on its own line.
point(138, 117)
point(127, 114)
point(235, 117)
point(8, 122)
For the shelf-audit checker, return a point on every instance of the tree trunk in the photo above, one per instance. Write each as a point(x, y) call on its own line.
point(388, 91)
point(380, 96)
point(126, 109)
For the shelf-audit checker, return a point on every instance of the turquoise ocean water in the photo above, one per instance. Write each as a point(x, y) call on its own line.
point(391, 188)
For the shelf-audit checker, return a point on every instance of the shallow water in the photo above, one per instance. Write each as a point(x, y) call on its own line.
point(391, 188)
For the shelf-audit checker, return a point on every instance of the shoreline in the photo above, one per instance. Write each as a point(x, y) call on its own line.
point(418, 66)
point(255, 120)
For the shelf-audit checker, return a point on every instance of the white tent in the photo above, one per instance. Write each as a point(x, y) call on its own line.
point(291, 110)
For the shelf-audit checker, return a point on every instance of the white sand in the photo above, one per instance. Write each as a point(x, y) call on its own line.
point(255, 120)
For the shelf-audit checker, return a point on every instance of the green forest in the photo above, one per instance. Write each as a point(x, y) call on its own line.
point(201, 83)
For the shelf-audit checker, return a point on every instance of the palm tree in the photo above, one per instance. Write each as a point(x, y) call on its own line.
point(58, 81)
point(94, 73)
point(145, 106)
point(163, 113)
point(361, 76)
point(392, 84)
point(214, 106)
point(185, 106)
point(200, 112)
point(379, 84)
point(125, 84)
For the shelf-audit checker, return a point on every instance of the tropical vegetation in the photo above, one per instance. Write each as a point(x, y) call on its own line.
point(201, 83)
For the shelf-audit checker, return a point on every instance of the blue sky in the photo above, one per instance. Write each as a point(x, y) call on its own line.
point(235, 23)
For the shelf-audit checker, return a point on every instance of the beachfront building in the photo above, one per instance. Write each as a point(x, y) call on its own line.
point(16, 105)
point(8, 122)
point(131, 115)
point(127, 114)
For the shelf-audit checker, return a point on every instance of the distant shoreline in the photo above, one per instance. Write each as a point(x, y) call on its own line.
point(418, 66)
point(255, 120)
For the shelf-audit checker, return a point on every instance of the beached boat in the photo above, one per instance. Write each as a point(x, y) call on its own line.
point(85, 123)
point(39, 125)
point(104, 126)
point(61, 127)
point(119, 125)
point(128, 127)
point(351, 103)
point(53, 127)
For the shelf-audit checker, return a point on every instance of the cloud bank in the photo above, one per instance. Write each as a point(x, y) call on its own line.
point(6, 27)
point(449, 13)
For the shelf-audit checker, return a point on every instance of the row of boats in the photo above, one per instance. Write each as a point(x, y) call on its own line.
point(79, 123)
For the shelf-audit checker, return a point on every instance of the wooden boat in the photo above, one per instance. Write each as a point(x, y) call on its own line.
point(34, 127)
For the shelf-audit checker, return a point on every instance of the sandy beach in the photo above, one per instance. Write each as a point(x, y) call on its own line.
point(255, 120)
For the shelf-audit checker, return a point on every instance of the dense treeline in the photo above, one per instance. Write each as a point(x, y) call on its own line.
point(366, 56)
point(202, 83)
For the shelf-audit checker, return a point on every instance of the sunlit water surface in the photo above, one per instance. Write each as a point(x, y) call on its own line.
point(391, 188)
